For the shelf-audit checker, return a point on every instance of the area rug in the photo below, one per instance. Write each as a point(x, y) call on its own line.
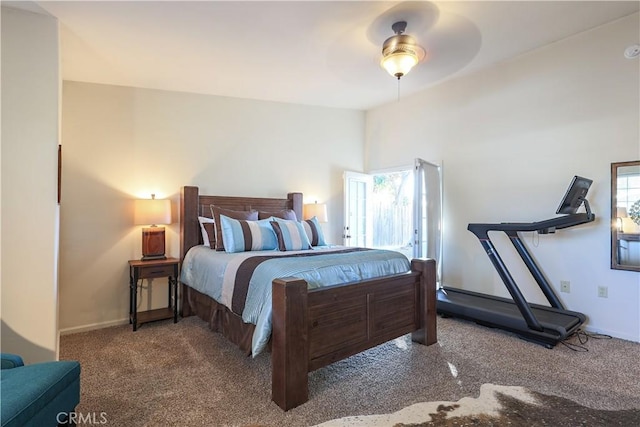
point(496, 406)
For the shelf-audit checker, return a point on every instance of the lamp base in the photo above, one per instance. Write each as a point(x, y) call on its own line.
point(153, 243)
point(150, 258)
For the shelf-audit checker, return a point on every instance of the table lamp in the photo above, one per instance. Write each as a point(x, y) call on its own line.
point(621, 213)
point(319, 210)
point(152, 212)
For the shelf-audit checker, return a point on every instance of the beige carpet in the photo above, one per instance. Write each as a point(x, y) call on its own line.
point(169, 374)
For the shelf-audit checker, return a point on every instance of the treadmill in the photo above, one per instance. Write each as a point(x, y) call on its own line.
point(545, 325)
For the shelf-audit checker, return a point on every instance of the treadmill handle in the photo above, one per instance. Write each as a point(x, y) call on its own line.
point(513, 289)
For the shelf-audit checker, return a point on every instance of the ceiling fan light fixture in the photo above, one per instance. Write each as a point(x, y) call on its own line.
point(400, 53)
point(399, 63)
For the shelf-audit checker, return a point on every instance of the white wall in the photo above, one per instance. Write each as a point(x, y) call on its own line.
point(510, 138)
point(121, 143)
point(30, 215)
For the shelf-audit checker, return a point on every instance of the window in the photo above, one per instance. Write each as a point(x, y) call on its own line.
point(628, 187)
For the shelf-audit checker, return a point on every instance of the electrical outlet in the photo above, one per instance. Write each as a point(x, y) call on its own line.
point(565, 286)
point(603, 291)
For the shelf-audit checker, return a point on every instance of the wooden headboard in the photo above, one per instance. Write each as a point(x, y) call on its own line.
point(193, 205)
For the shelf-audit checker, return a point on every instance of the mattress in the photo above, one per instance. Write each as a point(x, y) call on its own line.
point(242, 281)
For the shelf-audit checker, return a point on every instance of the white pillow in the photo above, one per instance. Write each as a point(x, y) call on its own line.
point(205, 236)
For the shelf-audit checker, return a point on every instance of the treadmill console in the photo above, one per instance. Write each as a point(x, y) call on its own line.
point(575, 195)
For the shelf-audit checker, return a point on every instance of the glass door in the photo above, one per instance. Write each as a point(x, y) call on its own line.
point(357, 230)
point(392, 211)
point(399, 210)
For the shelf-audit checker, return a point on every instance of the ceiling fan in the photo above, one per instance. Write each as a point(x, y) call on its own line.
point(431, 39)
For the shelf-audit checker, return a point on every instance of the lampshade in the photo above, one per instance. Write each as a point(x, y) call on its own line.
point(399, 63)
point(400, 53)
point(621, 213)
point(319, 210)
point(152, 211)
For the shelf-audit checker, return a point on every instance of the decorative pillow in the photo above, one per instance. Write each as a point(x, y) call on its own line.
point(284, 214)
point(241, 236)
point(314, 232)
point(207, 228)
point(290, 234)
point(217, 211)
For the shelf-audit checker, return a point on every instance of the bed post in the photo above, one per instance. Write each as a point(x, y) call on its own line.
point(427, 334)
point(189, 229)
point(289, 345)
point(189, 226)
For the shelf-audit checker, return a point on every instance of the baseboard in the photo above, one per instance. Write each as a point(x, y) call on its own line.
point(614, 334)
point(93, 326)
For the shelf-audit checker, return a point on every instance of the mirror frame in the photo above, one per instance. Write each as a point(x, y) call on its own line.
point(614, 230)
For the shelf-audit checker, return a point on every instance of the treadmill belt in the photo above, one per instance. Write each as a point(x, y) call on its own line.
point(503, 313)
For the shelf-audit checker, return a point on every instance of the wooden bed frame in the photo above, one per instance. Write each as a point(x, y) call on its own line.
point(313, 328)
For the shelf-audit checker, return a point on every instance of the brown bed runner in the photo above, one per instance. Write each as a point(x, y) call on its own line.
point(248, 266)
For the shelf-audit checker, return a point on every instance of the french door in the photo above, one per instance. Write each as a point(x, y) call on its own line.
point(399, 210)
point(357, 229)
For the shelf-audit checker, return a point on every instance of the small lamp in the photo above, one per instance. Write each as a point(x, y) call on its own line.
point(620, 213)
point(152, 212)
point(319, 210)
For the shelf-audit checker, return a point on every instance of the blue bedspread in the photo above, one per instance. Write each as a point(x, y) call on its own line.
point(213, 273)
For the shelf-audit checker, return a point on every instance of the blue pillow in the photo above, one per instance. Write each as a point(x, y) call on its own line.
point(290, 234)
point(241, 235)
point(314, 232)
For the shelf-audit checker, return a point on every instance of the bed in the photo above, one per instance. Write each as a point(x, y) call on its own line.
point(312, 328)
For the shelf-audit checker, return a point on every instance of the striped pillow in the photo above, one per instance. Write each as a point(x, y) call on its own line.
point(314, 232)
point(242, 236)
point(217, 211)
point(290, 234)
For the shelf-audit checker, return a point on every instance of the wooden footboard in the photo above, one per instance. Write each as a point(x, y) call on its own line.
point(313, 328)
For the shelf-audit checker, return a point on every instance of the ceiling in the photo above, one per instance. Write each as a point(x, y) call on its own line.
point(322, 53)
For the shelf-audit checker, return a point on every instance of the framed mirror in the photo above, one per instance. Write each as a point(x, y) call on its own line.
point(625, 215)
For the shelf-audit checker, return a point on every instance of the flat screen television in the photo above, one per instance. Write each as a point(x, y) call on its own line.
point(575, 195)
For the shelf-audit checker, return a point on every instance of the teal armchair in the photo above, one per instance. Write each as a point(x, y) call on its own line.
point(40, 394)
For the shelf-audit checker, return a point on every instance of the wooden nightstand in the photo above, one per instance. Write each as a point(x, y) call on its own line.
point(139, 270)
